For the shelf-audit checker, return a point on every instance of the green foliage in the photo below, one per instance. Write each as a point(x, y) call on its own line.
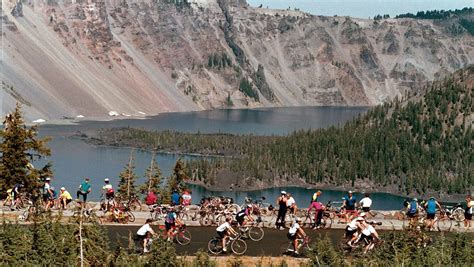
point(437, 14)
point(468, 25)
point(325, 254)
point(20, 147)
point(51, 243)
point(247, 88)
point(165, 254)
point(126, 186)
point(153, 178)
point(203, 260)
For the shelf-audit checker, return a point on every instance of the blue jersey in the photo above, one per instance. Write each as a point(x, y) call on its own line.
point(350, 202)
point(431, 206)
point(175, 198)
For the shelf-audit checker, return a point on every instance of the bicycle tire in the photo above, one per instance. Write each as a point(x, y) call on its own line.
point(458, 215)
point(135, 205)
point(308, 221)
point(256, 233)
point(444, 224)
point(206, 221)
point(183, 237)
point(326, 222)
point(214, 246)
point(238, 246)
point(234, 208)
point(130, 216)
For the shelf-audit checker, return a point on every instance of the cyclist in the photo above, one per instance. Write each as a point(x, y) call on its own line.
point(281, 202)
point(412, 210)
point(366, 203)
point(368, 234)
point(349, 204)
point(244, 214)
point(84, 190)
point(187, 199)
point(224, 231)
point(108, 192)
point(315, 196)
point(468, 212)
point(430, 207)
point(353, 228)
point(64, 198)
point(144, 234)
point(291, 204)
point(171, 222)
point(151, 198)
point(15, 195)
point(175, 198)
point(319, 207)
point(296, 232)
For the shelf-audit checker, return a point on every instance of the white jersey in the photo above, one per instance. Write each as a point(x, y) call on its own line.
point(290, 202)
point(366, 202)
point(144, 229)
point(352, 226)
point(369, 230)
point(294, 228)
point(107, 187)
point(223, 227)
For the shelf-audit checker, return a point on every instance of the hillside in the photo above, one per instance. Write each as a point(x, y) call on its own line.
point(420, 145)
point(76, 57)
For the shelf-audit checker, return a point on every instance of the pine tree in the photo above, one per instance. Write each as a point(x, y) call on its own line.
point(20, 147)
point(126, 186)
point(153, 178)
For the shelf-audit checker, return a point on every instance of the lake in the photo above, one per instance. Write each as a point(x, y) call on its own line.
point(73, 159)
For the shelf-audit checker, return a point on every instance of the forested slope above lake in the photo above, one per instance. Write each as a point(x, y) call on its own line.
point(420, 144)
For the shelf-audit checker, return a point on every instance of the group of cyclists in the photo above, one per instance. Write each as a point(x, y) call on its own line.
point(353, 212)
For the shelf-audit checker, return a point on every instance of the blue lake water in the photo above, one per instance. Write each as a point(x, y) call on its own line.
point(74, 160)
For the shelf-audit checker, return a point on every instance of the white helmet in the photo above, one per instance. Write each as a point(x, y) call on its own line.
point(106, 180)
point(283, 192)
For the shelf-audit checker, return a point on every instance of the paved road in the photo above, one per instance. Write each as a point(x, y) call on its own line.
point(269, 246)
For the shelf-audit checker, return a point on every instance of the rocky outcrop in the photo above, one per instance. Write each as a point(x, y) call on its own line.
point(17, 10)
point(150, 56)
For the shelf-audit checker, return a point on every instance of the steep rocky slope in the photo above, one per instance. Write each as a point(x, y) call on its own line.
point(137, 57)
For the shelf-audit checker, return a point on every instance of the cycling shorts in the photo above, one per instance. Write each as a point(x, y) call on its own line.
point(168, 225)
point(221, 234)
point(366, 209)
point(430, 216)
point(367, 238)
point(291, 236)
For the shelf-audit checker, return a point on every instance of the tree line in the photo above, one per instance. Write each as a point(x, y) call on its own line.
point(420, 145)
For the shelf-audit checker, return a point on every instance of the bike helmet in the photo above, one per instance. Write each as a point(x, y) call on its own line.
point(297, 219)
point(350, 192)
point(106, 180)
point(48, 179)
point(415, 199)
point(249, 205)
point(283, 192)
point(62, 188)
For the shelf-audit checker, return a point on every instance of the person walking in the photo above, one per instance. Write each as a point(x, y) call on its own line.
point(84, 190)
point(318, 207)
point(281, 203)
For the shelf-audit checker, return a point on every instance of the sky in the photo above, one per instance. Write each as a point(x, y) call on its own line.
point(363, 8)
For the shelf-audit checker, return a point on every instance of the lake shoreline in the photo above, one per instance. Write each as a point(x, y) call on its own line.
point(328, 187)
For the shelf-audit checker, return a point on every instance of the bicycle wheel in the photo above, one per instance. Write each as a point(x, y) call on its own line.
point(444, 224)
point(326, 222)
point(135, 205)
point(256, 233)
point(130, 216)
point(183, 237)
point(214, 246)
point(234, 208)
point(458, 215)
point(238, 246)
point(308, 221)
point(206, 221)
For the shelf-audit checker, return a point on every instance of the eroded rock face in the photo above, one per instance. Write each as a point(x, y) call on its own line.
point(17, 10)
point(161, 55)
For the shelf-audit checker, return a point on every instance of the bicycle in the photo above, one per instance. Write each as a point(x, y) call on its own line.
point(253, 230)
point(237, 245)
point(88, 215)
point(309, 220)
point(179, 234)
point(158, 212)
point(303, 248)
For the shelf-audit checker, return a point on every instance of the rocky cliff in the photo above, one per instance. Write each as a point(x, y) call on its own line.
point(142, 57)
